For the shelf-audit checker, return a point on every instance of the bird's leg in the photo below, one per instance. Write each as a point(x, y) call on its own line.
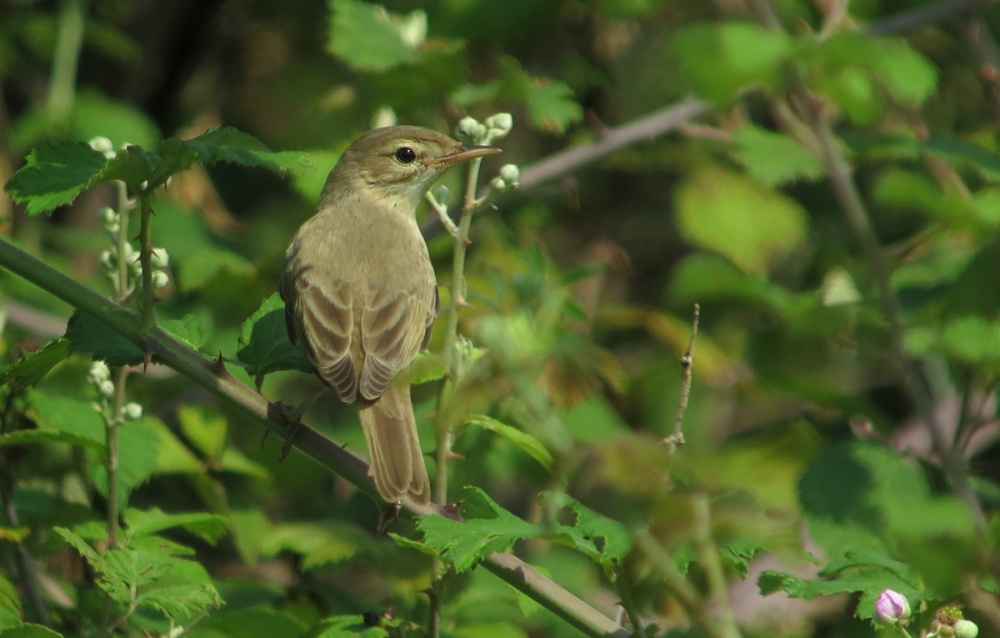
point(292, 417)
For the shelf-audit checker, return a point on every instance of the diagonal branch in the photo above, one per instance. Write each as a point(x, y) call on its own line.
point(212, 376)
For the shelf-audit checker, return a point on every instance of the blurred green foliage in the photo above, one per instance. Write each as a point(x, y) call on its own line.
point(833, 450)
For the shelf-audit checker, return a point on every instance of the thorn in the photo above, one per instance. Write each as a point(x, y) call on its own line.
point(462, 303)
point(263, 439)
point(455, 456)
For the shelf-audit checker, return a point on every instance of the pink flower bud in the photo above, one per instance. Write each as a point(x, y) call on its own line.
point(891, 607)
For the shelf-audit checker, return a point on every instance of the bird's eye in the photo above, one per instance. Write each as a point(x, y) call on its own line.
point(405, 154)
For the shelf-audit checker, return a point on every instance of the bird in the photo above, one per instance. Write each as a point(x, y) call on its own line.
point(360, 291)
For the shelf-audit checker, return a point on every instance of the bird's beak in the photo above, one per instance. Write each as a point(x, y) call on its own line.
point(464, 153)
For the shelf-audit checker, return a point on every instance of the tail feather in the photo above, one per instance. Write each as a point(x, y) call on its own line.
point(397, 464)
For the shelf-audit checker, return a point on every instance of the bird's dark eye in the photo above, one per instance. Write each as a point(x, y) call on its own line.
point(405, 154)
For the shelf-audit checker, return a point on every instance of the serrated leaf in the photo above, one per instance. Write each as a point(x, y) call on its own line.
point(188, 330)
point(150, 579)
point(748, 223)
point(54, 174)
point(208, 527)
point(67, 415)
point(351, 626)
point(264, 345)
point(227, 144)
point(90, 336)
point(526, 442)
point(138, 459)
point(549, 102)
point(487, 528)
point(369, 38)
point(721, 60)
point(775, 158)
point(319, 543)
point(32, 367)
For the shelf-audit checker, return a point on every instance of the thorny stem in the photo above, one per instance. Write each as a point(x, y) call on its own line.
point(445, 431)
point(458, 290)
point(148, 312)
point(842, 183)
point(112, 423)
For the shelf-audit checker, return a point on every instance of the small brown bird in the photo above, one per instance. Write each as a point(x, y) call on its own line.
point(360, 293)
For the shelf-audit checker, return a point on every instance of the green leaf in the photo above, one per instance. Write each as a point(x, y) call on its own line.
point(138, 458)
point(369, 38)
point(90, 336)
point(227, 144)
point(320, 543)
point(487, 528)
point(549, 102)
point(264, 345)
point(54, 174)
point(528, 444)
point(188, 330)
point(964, 153)
point(352, 626)
point(752, 225)
point(205, 428)
point(67, 415)
point(10, 604)
point(721, 60)
point(208, 527)
point(149, 579)
point(32, 367)
point(775, 158)
point(28, 630)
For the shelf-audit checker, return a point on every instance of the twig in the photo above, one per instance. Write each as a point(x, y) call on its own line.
point(213, 377)
point(611, 140)
point(628, 600)
point(676, 439)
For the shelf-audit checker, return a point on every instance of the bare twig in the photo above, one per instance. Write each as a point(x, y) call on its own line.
point(676, 439)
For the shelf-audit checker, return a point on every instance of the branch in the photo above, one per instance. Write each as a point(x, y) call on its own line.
point(676, 439)
point(212, 376)
point(611, 140)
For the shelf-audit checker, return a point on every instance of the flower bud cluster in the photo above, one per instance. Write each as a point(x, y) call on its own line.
point(495, 127)
point(99, 376)
point(892, 608)
point(110, 259)
point(508, 178)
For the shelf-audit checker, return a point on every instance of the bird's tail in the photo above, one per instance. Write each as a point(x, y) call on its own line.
point(391, 430)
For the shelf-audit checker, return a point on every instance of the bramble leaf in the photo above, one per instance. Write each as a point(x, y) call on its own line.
point(264, 345)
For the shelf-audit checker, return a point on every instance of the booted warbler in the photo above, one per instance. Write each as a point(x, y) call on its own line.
point(360, 293)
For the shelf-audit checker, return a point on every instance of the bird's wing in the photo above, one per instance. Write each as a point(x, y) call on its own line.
point(320, 313)
point(393, 329)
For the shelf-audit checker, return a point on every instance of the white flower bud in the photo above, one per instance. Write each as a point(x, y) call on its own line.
point(500, 124)
point(135, 268)
point(109, 218)
point(498, 184)
point(510, 173)
point(102, 145)
point(109, 261)
point(160, 279)
point(160, 258)
point(132, 411)
point(468, 126)
point(107, 388)
point(442, 194)
point(966, 629)
point(98, 373)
